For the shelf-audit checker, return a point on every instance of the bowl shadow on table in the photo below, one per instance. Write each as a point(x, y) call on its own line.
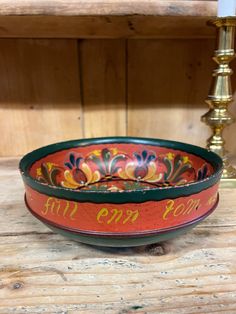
point(195, 238)
point(157, 249)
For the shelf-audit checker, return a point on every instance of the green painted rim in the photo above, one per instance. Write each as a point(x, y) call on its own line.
point(137, 196)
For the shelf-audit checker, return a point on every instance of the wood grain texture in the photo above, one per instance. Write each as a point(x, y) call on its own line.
point(40, 94)
point(172, 78)
point(154, 88)
point(103, 67)
point(41, 272)
point(107, 26)
point(108, 7)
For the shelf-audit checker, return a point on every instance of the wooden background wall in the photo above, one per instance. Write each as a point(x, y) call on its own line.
point(58, 89)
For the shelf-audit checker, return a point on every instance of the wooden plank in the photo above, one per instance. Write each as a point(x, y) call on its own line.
point(63, 275)
point(103, 70)
point(126, 26)
point(44, 272)
point(40, 94)
point(168, 82)
point(108, 7)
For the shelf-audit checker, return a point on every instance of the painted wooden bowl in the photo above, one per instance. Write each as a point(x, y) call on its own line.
point(121, 191)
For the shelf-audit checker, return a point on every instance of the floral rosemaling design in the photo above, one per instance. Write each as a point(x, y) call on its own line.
point(202, 172)
point(107, 162)
point(50, 173)
point(79, 173)
point(142, 168)
point(179, 169)
point(111, 170)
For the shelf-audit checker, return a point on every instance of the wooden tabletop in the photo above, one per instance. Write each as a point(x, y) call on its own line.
point(42, 272)
point(106, 18)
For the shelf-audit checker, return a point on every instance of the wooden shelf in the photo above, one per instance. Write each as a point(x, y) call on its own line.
point(108, 7)
point(45, 272)
point(106, 19)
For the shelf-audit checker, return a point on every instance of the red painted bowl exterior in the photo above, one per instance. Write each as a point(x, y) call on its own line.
point(132, 218)
point(152, 208)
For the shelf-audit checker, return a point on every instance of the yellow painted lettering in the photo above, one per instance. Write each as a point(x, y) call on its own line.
point(47, 205)
point(116, 216)
point(212, 199)
point(58, 206)
point(52, 207)
point(74, 211)
point(66, 208)
point(192, 205)
point(169, 208)
point(102, 213)
point(179, 210)
point(132, 215)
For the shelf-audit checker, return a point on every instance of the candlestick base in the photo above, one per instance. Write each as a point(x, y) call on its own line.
point(229, 171)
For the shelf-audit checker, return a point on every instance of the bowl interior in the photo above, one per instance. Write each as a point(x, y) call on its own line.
point(119, 167)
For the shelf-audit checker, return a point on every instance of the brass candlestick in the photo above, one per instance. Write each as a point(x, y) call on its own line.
point(220, 94)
